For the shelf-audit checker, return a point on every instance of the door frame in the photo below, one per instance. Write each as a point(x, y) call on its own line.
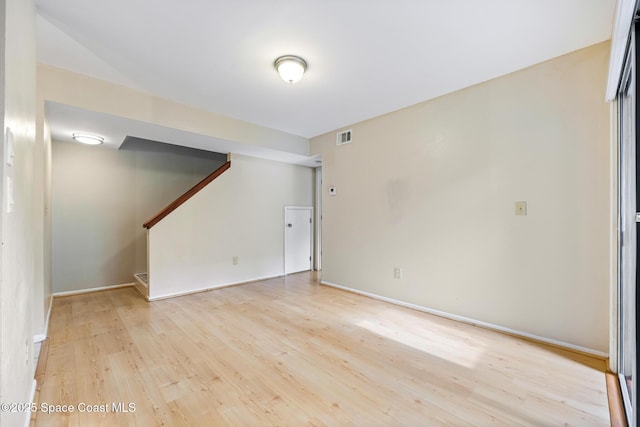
point(284, 235)
point(317, 254)
point(624, 352)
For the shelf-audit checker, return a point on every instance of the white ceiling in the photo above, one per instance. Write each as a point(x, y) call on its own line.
point(366, 57)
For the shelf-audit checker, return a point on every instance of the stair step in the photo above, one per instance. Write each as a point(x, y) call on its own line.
point(142, 284)
point(143, 278)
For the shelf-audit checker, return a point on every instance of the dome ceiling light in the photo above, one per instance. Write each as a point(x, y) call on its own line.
point(290, 67)
point(88, 139)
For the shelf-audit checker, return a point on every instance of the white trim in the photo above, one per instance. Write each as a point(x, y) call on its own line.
point(38, 338)
point(614, 262)
point(86, 291)
point(148, 236)
point(46, 322)
point(317, 259)
point(626, 401)
point(470, 321)
point(32, 396)
point(210, 288)
point(625, 10)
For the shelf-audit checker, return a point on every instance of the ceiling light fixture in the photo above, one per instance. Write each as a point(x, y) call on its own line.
point(88, 139)
point(290, 67)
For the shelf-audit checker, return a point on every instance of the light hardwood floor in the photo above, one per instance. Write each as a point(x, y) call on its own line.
point(288, 351)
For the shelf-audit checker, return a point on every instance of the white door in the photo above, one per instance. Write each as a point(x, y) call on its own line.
point(298, 238)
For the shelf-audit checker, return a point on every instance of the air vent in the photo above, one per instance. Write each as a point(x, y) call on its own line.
point(344, 137)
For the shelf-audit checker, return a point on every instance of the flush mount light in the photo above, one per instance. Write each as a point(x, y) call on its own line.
point(291, 68)
point(88, 139)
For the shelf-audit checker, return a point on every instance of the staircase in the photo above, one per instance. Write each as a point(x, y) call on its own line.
point(142, 284)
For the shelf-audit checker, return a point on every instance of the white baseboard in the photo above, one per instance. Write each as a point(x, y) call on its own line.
point(474, 322)
point(46, 321)
point(32, 396)
point(38, 338)
point(86, 291)
point(210, 288)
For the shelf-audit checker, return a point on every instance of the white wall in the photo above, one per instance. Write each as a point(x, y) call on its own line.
point(239, 214)
point(19, 239)
point(431, 189)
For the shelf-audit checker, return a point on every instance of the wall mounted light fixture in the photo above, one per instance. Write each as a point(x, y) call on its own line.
point(290, 67)
point(88, 139)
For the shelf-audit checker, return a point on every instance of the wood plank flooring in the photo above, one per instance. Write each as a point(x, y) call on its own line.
point(290, 352)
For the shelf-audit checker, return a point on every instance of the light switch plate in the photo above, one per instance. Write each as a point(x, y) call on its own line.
point(332, 191)
point(521, 208)
point(9, 195)
point(9, 153)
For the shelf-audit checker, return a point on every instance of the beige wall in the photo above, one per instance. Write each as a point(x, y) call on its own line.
point(93, 232)
point(240, 214)
point(431, 189)
point(66, 87)
point(19, 238)
point(101, 198)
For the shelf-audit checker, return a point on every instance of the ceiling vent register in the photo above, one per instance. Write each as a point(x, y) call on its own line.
point(344, 137)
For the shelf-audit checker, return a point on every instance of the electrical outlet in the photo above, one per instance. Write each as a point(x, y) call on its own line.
point(234, 260)
point(521, 208)
point(397, 273)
